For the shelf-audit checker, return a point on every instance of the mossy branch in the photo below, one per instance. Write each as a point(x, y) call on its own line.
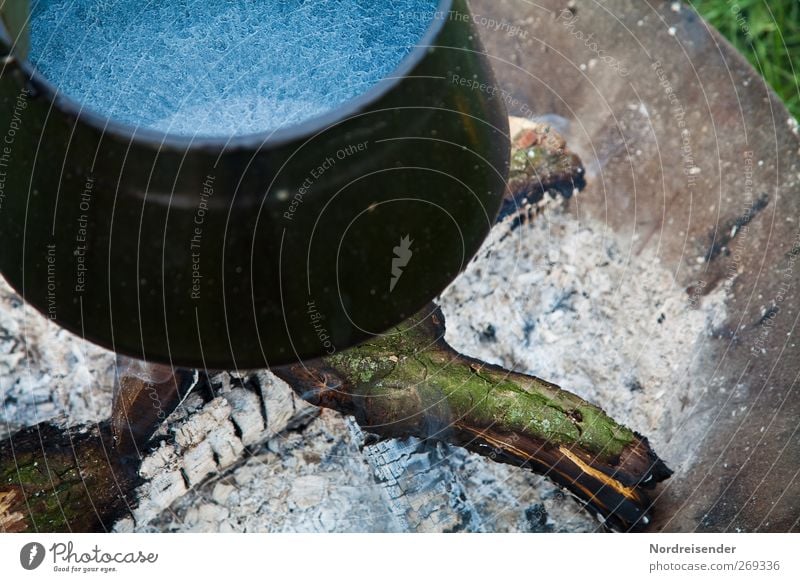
point(410, 382)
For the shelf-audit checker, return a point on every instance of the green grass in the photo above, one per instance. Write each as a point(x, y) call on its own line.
point(767, 32)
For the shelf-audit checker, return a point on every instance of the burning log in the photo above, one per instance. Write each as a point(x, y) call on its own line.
point(64, 480)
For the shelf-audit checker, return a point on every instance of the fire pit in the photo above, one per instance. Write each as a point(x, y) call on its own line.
point(665, 291)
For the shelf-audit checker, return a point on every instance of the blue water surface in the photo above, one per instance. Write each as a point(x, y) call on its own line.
point(221, 67)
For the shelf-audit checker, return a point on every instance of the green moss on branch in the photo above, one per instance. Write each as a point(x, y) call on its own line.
point(409, 382)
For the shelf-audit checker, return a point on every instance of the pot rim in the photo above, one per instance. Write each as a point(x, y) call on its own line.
point(162, 140)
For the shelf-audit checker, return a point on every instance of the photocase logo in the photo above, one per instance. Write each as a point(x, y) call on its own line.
point(403, 254)
point(31, 555)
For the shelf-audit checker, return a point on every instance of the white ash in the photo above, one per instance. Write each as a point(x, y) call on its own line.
point(422, 484)
point(47, 372)
point(310, 481)
point(570, 302)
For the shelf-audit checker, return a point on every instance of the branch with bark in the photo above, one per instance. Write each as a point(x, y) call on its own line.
point(410, 382)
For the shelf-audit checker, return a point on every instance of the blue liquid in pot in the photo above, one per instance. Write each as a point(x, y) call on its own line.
point(221, 67)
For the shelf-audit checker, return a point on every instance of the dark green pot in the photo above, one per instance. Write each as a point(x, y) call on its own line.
point(266, 248)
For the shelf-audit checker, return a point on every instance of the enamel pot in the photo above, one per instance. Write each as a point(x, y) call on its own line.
point(260, 249)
